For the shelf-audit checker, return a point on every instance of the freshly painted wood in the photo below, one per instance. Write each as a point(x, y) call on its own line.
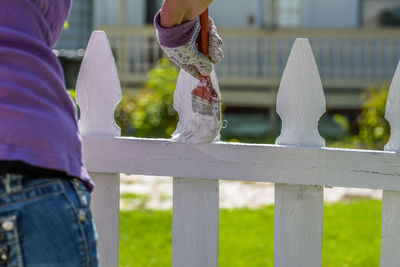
point(195, 223)
point(245, 162)
point(392, 113)
point(105, 208)
point(390, 232)
point(300, 102)
point(298, 208)
point(97, 93)
point(98, 90)
point(300, 166)
point(298, 225)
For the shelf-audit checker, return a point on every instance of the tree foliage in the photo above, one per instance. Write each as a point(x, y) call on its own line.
point(374, 130)
point(150, 113)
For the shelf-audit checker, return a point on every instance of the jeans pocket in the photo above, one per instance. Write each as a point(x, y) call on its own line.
point(47, 228)
point(83, 197)
point(10, 250)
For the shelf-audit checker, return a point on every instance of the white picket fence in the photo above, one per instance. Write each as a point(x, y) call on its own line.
point(299, 165)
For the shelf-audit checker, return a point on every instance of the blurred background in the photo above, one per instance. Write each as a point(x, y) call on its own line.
point(356, 44)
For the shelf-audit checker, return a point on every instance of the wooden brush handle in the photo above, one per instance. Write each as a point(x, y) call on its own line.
point(204, 32)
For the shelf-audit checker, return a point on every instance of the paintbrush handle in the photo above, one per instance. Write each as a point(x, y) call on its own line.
point(204, 32)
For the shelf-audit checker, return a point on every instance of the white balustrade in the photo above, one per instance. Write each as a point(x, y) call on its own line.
point(299, 165)
point(347, 58)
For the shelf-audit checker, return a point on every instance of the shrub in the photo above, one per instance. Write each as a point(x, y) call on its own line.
point(374, 130)
point(124, 114)
point(150, 113)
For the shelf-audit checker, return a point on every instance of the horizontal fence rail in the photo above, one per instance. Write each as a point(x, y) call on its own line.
point(346, 58)
point(299, 165)
point(244, 162)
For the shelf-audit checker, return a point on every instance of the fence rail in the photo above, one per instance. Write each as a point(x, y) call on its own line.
point(299, 165)
point(346, 58)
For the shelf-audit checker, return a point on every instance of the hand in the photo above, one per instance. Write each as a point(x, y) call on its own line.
point(179, 43)
point(175, 12)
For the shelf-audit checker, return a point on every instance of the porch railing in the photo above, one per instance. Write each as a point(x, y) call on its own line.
point(299, 165)
point(347, 58)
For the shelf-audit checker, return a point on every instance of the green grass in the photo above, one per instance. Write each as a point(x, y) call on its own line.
point(351, 236)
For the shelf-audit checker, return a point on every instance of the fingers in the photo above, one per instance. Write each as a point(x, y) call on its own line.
point(215, 39)
point(214, 50)
point(191, 70)
point(193, 62)
point(211, 23)
point(195, 71)
point(216, 55)
point(215, 43)
point(202, 63)
point(198, 64)
point(214, 36)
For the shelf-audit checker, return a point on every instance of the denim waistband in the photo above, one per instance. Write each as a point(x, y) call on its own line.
point(13, 183)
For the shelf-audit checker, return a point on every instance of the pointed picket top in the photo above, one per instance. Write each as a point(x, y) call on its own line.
point(98, 90)
point(392, 113)
point(300, 101)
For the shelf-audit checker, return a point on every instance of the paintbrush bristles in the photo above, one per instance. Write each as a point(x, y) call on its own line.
point(199, 118)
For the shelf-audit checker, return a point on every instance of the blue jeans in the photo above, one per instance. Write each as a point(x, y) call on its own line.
point(45, 222)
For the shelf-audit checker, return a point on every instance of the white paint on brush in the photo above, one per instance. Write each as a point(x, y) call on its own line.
point(298, 208)
point(390, 235)
point(98, 92)
point(194, 127)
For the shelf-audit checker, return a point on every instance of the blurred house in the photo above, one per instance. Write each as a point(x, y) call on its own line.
point(355, 42)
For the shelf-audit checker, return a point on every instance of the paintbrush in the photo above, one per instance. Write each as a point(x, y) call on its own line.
point(199, 120)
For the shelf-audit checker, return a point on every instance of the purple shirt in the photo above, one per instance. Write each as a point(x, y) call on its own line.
point(37, 117)
point(176, 36)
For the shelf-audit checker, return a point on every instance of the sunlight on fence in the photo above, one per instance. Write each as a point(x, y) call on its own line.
point(299, 165)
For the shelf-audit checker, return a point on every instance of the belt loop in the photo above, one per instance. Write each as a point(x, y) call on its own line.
point(77, 185)
point(13, 183)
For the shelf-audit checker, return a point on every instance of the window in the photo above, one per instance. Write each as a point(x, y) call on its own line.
point(288, 13)
point(152, 6)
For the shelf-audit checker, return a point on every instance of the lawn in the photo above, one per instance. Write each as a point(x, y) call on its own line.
point(351, 236)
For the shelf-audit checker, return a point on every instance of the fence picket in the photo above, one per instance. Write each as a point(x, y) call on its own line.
point(195, 223)
point(298, 203)
point(97, 93)
point(299, 208)
point(390, 232)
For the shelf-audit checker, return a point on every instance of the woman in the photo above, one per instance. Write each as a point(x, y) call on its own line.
point(44, 188)
point(45, 219)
